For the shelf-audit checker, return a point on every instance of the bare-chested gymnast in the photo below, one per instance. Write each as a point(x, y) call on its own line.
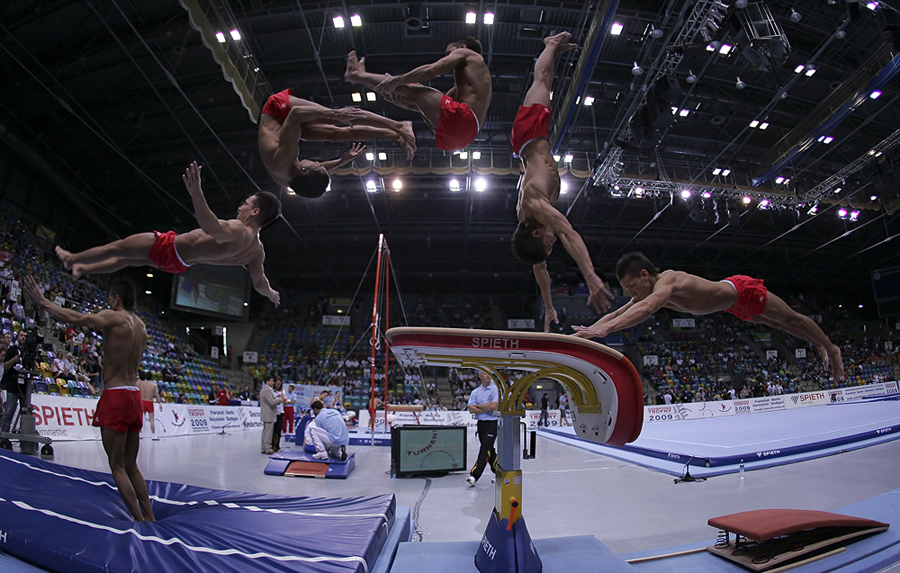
point(118, 413)
point(286, 119)
point(740, 295)
point(540, 223)
point(455, 117)
point(216, 242)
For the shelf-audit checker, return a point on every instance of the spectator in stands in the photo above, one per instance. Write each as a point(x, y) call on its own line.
point(327, 432)
point(244, 394)
point(223, 396)
point(179, 398)
point(213, 397)
point(267, 414)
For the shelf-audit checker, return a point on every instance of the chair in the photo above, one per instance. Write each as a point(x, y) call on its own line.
point(63, 386)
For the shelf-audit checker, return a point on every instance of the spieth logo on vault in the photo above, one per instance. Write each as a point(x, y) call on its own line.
point(768, 453)
point(499, 343)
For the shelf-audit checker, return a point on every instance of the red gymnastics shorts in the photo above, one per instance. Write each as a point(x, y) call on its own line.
point(751, 297)
point(163, 254)
point(457, 125)
point(147, 406)
point(278, 105)
point(119, 410)
point(531, 123)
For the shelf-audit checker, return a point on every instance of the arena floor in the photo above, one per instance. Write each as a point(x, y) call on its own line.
point(568, 491)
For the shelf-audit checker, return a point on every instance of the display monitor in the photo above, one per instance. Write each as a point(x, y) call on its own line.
point(427, 450)
point(212, 290)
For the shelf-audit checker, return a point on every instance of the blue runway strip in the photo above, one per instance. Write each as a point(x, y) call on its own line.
point(716, 446)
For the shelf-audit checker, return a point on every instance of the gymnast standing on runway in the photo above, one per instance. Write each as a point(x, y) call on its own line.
point(216, 242)
point(286, 119)
point(455, 116)
point(740, 295)
point(119, 414)
point(540, 223)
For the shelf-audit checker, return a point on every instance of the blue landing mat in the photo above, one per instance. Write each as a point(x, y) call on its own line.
point(559, 555)
point(67, 519)
point(761, 440)
point(279, 463)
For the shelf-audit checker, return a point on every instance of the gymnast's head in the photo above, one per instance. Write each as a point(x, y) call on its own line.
point(316, 407)
point(122, 295)
point(532, 244)
point(264, 206)
point(636, 274)
point(470, 42)
point(310, 179)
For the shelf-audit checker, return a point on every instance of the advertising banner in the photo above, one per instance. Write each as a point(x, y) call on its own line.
point(449, 418)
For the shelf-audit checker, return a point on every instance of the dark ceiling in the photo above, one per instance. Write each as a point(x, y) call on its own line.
point(118, 96)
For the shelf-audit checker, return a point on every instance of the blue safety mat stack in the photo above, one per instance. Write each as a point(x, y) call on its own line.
point(67, 519)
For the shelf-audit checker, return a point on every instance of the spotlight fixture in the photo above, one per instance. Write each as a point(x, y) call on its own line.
point(685, 194)
point(556, 158)
point(763, 126)
point(726, 172)
point(235, 35)
point(684, 112)
point(637, 70)
point(739, 84)
point(813, 210)
point(656, 33)
point(338, 21)
point(854, 215)
point(872, 5)
point(397, 185)
point(746, 200)
point(370, 156)
point(382, 156)
point(840, 34)
point(873, 198)
point(799, 69)
point(706, 195)
point(454, 185)
point(220, 37)
point(741, 4)
point(795, 16)
point(725, 49)
point(764, 203)
point(370, 186)
point(588, 101)
point(148, 292)
point(463, 155)
point(480, 184)
point(563, 187)
point(875, 94)
point(754, 123)
point(810, 71)
point(717, 170)
point(779, 180)
point(471, 17)
point(616, 29)
point(150, 275)
point(356, 97)
point(691, 79)
point(370, 96)
point(488, 18)
point(842, 212)
point(476, 155)
point(355, 21)
point(568, 158)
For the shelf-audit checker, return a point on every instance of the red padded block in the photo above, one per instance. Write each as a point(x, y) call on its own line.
point(764, 524)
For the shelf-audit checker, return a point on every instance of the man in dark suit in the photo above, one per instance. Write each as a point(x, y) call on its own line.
point(12, 382)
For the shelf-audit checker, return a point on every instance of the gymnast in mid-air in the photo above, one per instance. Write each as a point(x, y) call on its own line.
point(745, 297)
point(216, 242)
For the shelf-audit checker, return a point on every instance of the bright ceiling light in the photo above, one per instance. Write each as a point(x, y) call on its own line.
point(838, 189)
point(220, 37)
point(842, 213)
point(471, 17)
point(873, 198)
point(370, 156)
point(356, 96)
point(828, 140)
point(726, 172)
point(786, 181)
point(637, 70)
point(454, 185)
point(854, 215)
point(764, 203)
point(875, 94)
point(685, 194)
point(872, 5)
point(488, 18)
point(235, 35)
point(747, 200)
point(799, 69)
point(463, 154)
point(370, 186)
point(355, 21)
point(764, 126)
point(638, 191)
point(382, 156)
point(813, 210)
point(338, 21)
point(684, 112)
point(739, 84)
point(706, 195)
point(725, 48)
point(616, 29)
point(289, 191)
point(147, 292)
point(710, 48)
point(588, 100)
point(716, 171)
point(810, 72)
point(480, 184)
point(397, 185)
point(568, 158)
point(795, 16)
point(563, 187)
point(779, 180)
point(370, 96)
point(476, 155)
point(150, 275)
point(556, 158)
point(754, 123)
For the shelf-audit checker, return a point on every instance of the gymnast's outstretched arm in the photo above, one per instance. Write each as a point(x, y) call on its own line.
point(543, 280)
point(355, 151)
point(638, 312)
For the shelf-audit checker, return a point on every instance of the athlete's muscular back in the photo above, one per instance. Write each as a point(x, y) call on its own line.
point(471, 79)
point(696, 295)
point(540, 183)
point(198, 247)
point(124, 340)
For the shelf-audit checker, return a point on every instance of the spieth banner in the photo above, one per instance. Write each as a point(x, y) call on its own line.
point(66, 418)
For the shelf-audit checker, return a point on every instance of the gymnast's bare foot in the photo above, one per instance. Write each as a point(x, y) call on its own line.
point(355, 67)
point(77, 270)
point(407, 139)
point(64, 256)
point(560, 42)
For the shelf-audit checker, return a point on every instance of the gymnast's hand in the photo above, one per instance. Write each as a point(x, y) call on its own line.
point(593, 331)
point(274, 297)
point(549, 317)
point(191, 178)
point(600, 297)
point(355, 151)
